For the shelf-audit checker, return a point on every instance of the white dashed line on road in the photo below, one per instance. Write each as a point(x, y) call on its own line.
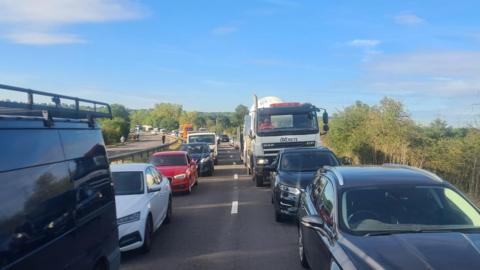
point(234, 163)
point(234, 207)
point(235, 176)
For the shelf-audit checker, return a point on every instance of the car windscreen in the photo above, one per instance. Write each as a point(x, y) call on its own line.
point(202, 139)
point(195, 148)
point(406, 209)
point(169, 160)
point(307, 161)
point(128, 183)
point(283, 122)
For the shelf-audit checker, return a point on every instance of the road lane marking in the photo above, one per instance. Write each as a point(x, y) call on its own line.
point(234, 207)
point(235, 176)
point(234, 163)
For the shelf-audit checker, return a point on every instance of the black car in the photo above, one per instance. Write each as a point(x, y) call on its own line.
point(57, 203)
point(291, 172)
point(201, 154)
point(224, 138)
point(387, 217)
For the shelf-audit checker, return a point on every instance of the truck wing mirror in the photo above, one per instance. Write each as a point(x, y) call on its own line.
point(325, 117)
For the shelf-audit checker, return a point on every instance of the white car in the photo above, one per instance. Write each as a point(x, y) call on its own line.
point(144, 201)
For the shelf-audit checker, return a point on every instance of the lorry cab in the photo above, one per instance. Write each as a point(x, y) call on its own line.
point(273, 125)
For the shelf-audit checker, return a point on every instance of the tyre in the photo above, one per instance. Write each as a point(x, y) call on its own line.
point(279, 217)
point(258, 180)
point(168, 217)
point(101, 265)
point(301, 249)
point(189, 190)
point(147, 241)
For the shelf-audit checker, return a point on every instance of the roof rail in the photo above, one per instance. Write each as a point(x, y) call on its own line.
point(335, 172)
point(429, 174)
point(74, 110)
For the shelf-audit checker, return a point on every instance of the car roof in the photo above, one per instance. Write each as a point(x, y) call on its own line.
point(129, 167)
point(170, 153)
point(358, 176)
point(305, 149)
point(200, 133)
point(197, 143)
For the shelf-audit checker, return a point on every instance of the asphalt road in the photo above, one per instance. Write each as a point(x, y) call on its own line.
point(207, 233)
point(146, 141)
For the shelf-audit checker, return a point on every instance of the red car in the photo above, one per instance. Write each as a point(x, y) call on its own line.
point(180, 169)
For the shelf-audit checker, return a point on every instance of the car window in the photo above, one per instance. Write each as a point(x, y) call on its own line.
point(157, 176)
point(307, 161)
point(326, 202)
point(128, 183)
point(150, 178)
point(407, 208)
point(169, 160)
point(320, 183)
point(20, 149)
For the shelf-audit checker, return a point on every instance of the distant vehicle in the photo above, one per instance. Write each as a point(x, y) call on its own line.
point(292, 171)
point(224, 138)
point(203, 130)
point(178, 167)
point(57, 204)
point(273, 125)
point(185, 129)
point(163, 131)
point(200, 153)
point(154, 132)
point(205, 137)
point(389, 217)
point(144, 202)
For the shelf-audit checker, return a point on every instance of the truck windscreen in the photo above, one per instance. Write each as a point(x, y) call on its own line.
point(298, 123)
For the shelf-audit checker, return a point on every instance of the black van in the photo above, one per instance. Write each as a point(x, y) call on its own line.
point(57, 204)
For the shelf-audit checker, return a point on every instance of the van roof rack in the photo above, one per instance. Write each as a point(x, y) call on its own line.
point(60, 106)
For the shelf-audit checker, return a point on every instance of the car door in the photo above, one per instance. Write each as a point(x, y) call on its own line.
point(324, 203)
point(154, 198)
point(164, 192)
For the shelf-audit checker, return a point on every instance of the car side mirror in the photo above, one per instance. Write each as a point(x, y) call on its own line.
point(155, 188)
point(313, 222)
point(346, 161)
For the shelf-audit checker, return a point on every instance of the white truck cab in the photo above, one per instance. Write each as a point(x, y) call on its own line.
point(205, 137)
point(273, 125)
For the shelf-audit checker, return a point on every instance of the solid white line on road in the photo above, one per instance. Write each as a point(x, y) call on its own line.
point(234, 163)
point(235, 176)
point(234, 207)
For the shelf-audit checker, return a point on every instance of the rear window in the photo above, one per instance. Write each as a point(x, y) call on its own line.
point(128, 183)
point(26, 148)
point(169, 160)
point(307, 161)
point(202, 139)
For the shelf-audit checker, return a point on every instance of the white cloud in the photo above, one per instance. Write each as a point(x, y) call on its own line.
point(223, 30)
point(38, 22)
point(408, 19)
point(37, 38)
point(446, 74)
point(364, 42)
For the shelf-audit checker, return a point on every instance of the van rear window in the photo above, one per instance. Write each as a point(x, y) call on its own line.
point(26, 148)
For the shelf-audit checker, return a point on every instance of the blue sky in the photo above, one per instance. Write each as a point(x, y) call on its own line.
point(213, 55)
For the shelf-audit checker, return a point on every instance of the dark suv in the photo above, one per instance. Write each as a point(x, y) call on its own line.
point(56, 195)
point(389, 217)
point(291, 172)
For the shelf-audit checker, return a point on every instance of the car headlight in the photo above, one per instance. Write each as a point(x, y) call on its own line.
point(203, 160)
point(262, 161)
point(180, 176)
point(291, 190)
point(128, 219)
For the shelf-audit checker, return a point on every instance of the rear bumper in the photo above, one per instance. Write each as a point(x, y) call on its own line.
point(286, 203)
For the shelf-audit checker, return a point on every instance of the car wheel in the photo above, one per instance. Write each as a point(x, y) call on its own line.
point(301, 249)
point(189, 188)
point(168, 218)
point(147, 241)
point(258, 181)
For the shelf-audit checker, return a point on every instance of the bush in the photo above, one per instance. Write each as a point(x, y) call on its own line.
point(114, 129)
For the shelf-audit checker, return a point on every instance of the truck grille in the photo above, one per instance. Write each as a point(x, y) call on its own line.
point(288, 145)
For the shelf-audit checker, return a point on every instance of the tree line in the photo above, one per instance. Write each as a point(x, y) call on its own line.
point(385, 133)
point(168, 116)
